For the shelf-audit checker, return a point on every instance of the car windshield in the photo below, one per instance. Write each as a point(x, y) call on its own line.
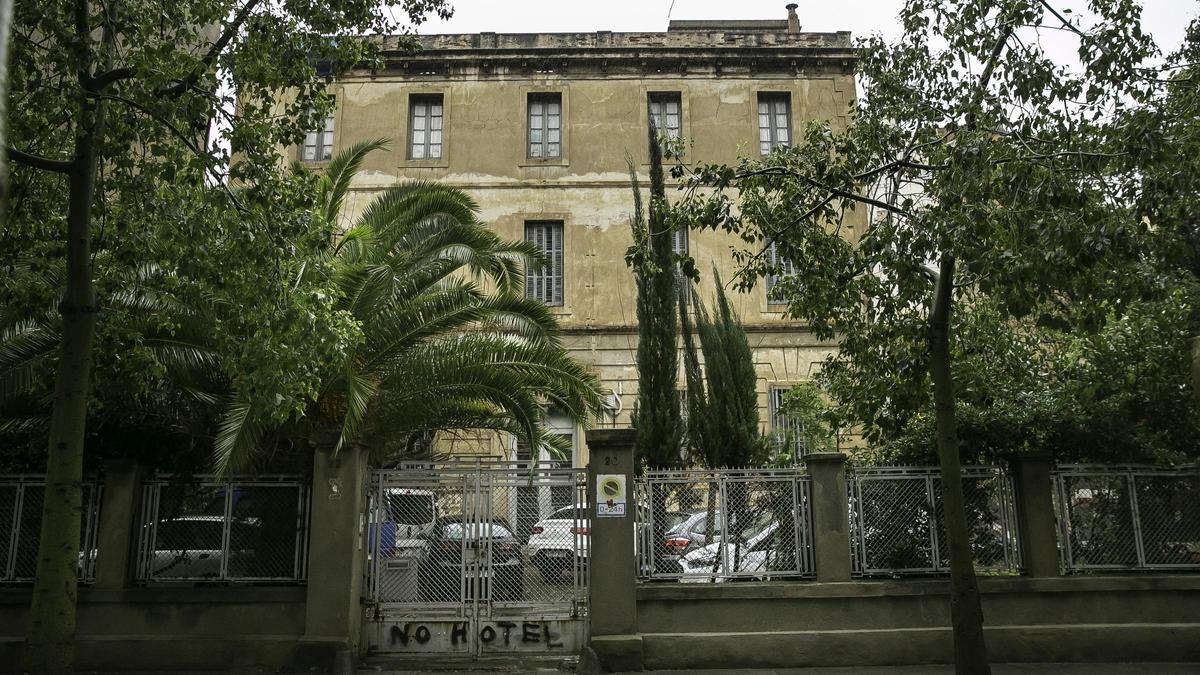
point(454, 530)
point(410, 509)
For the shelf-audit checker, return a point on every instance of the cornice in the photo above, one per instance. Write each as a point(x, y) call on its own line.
point(568, 55)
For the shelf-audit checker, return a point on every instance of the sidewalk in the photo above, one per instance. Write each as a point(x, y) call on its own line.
point(997, 669)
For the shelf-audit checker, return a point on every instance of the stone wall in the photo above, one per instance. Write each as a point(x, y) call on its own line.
point(204, 628)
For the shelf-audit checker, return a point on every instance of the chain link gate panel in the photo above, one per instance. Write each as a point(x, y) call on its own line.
point(897, 520)
point(1128, 518)
point(721, 524)
point(477, 558)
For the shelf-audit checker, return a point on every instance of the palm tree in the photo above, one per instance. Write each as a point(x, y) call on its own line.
point(446, 340)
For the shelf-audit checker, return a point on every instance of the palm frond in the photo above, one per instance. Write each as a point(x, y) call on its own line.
point(238, 434)
point(340, 171)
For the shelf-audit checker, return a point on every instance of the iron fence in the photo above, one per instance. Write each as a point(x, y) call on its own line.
point(897, 522)
point(203, 529)
point(21, 498)
point(1124, 518)
point(723, 524)
point(479, 539)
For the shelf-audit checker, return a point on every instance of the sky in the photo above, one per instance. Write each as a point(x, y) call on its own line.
point(1164, 19)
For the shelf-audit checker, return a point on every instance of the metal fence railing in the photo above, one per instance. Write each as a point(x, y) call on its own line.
point(203, 529)
point(725, 523)
point(21, 527)
point(898, 526)
point(1124, 518)
point(496, 539)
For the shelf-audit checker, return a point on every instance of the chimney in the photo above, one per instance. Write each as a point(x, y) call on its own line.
point(793, 20)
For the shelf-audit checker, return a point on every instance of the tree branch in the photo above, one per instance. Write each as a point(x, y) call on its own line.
point(37, 162)
point(1066, 153)
point(101, 81)
point(211, 56)
point(836, 192)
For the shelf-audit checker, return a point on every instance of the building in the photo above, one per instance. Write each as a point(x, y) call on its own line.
point(538, 128)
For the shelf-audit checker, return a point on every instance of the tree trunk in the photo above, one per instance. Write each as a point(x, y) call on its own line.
point(49, 646)
point(966, 611)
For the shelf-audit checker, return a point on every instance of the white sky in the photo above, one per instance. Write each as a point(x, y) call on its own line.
point(1164, 19)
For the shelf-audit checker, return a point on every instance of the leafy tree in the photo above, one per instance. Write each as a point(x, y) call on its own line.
point(984, 167)
point(656, 413)
point(112, 103)
point(1118, 394)
point(433, 350)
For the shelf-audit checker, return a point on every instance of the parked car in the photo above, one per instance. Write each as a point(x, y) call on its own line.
point(752, 554)
point(552, 542)
point(552, 545)
point(190, 547)
point(450, 545)
point(687, 535)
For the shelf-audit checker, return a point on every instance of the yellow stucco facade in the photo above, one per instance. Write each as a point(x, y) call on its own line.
point(485, 84)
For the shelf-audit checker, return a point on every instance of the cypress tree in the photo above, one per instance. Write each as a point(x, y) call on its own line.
point(656, 415)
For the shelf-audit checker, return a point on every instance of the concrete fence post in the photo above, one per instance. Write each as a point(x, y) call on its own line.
point(1036, 521)
point(830, 515)
point(336, 559)
point(117, 529)
point(612, 605)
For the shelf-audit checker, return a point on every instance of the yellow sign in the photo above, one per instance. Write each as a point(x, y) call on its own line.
point(610, 495)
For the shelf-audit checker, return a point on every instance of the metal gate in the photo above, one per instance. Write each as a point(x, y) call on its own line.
point(477, 559)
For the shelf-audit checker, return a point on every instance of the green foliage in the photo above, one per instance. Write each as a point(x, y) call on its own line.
point(1119, 395)
point(184, 234)
point(656, 414)
point(807, 409)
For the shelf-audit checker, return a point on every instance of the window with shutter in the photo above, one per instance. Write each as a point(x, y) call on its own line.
point(774, 121)
point(546, 282)
point(318, 144)
point(425, 126)
point(788, 433)
point(666, 113)
point(545, 126)
point(781, 267)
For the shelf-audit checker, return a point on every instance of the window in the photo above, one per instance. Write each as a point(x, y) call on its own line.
point(774, 121)
point(665, 112)
point(546, 283)
point(425, 126)
point(679, 241)
point(545, 126)
point(783, 267)
point(789, 433)
point(318, 145)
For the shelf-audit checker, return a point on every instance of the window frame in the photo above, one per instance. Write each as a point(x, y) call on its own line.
point(322, 150)
point(781, 424)
point(788, 269)
point(545, 98)
point(553, 271)
point(662, 98)
point(770, 99)
point(429, 99)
